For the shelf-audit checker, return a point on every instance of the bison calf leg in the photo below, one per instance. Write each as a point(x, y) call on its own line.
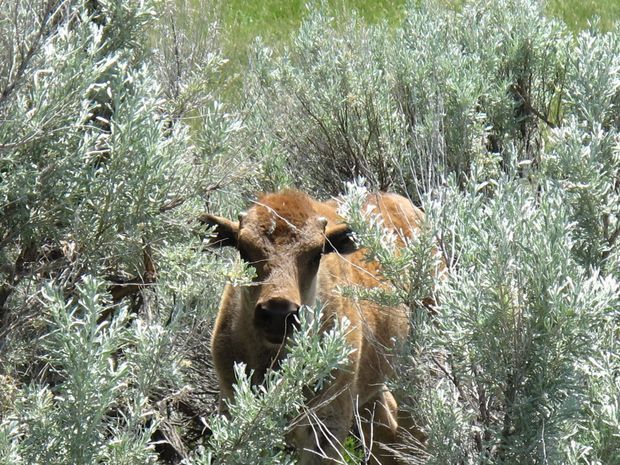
point(379, 433)
point(320, 435)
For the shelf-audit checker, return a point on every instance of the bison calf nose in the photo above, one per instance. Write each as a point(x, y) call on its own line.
point(277, 307)
point(276, 318)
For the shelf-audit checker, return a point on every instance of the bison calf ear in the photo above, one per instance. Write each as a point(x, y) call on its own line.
point(225, 232)
point(340, 239)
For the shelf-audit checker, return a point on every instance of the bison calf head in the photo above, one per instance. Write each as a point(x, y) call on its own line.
point(283, 236)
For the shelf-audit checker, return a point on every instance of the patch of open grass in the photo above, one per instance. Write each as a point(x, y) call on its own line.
point(275, 20)
point(577, 13)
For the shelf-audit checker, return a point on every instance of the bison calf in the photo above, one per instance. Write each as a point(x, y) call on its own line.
point(303, 251)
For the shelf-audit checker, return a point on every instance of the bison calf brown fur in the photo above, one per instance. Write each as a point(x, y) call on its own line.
point(303, 252)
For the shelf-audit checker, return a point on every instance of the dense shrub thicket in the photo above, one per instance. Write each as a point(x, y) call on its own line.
point(497, 120)
point(104, 290)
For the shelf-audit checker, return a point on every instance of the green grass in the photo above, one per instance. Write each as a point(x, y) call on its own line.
point(275, 20)
point(577, 13)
